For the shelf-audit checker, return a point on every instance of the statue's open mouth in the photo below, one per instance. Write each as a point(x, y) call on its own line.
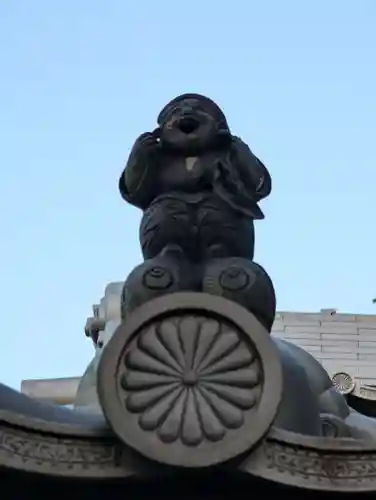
point(188, 124)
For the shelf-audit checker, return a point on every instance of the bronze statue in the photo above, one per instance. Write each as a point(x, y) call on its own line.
point(199, 188)
point(197, 184)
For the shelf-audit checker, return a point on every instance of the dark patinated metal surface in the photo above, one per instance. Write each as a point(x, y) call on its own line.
point(198, 187)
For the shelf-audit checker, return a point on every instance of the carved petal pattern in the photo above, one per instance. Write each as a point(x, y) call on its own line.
point(191, 380)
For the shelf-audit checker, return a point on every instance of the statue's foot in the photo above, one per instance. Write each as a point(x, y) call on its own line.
point(155, 277)
point(244, 282)
point(216, 251)
point(173, 251)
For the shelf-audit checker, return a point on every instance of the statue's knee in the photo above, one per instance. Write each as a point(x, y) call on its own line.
point(244, 282)
point(224, 233)
point(153, 278)
point(164, 223)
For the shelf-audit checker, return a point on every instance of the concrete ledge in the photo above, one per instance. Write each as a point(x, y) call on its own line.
point(61, 391)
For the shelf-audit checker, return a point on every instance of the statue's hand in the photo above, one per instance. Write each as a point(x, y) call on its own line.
point(252, 169)
point(145, 151)
point(225, 137)
point(147, 141)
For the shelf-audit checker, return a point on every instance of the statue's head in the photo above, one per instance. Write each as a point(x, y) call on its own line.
point(192, 122)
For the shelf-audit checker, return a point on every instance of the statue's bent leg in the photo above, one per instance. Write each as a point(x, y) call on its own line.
point(165, 225)
point(224, 232)
point(244, 282)
point(155, 277)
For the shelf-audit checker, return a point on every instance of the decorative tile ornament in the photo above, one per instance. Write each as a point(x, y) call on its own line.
point(184, 382)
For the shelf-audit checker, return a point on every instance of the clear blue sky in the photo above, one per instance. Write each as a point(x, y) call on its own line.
point(81, 79)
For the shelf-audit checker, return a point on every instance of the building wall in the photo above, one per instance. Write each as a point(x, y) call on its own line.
point(341, 342)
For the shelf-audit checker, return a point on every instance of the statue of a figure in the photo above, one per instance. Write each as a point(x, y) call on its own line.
point(199, 188)
point(197, 184)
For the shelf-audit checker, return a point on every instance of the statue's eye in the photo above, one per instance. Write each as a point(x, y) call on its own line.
point(174, 110)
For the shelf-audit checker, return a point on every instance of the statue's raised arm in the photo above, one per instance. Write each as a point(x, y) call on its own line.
point(138, 181)
point(251, 169)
